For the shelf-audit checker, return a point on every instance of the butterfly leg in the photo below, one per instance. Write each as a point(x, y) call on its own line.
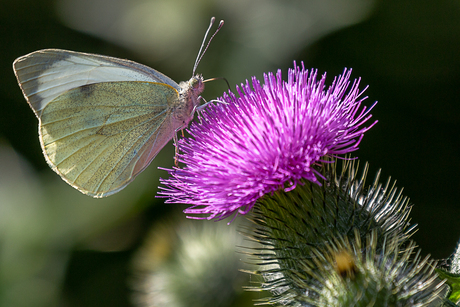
point(201, 107)
point(176, 148)
point(176, 145)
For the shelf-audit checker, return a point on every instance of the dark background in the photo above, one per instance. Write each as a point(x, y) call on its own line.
point(71, 250)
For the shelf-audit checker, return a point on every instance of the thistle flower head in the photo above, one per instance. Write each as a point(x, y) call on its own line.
point(185, 263)
point(341, 243)
point(380, 277)
point(268, 138)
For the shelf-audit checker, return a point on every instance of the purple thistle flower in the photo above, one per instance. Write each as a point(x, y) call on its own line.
point(266, 139)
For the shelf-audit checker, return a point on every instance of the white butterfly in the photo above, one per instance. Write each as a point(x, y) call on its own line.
point(102, 120)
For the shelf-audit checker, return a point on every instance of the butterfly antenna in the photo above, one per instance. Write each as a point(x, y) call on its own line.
point(200, 54)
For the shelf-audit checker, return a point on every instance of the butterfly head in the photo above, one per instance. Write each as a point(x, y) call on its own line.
point(192, 89)
point(189, 98)
point(197, 84)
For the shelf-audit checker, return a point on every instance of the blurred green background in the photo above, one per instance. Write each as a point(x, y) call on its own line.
point(61, 248)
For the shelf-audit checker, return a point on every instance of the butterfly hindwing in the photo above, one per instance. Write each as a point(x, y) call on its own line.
point(98, 137)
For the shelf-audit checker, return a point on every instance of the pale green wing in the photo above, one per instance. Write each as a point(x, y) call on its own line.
point(45, 74)
point(98, 137)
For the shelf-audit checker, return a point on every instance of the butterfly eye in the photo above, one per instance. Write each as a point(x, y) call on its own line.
point(196, 82)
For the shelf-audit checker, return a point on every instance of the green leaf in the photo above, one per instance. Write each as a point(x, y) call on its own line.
point(453, 280)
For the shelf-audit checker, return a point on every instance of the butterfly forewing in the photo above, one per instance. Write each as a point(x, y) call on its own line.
point(45, 74)
point(98, 137)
